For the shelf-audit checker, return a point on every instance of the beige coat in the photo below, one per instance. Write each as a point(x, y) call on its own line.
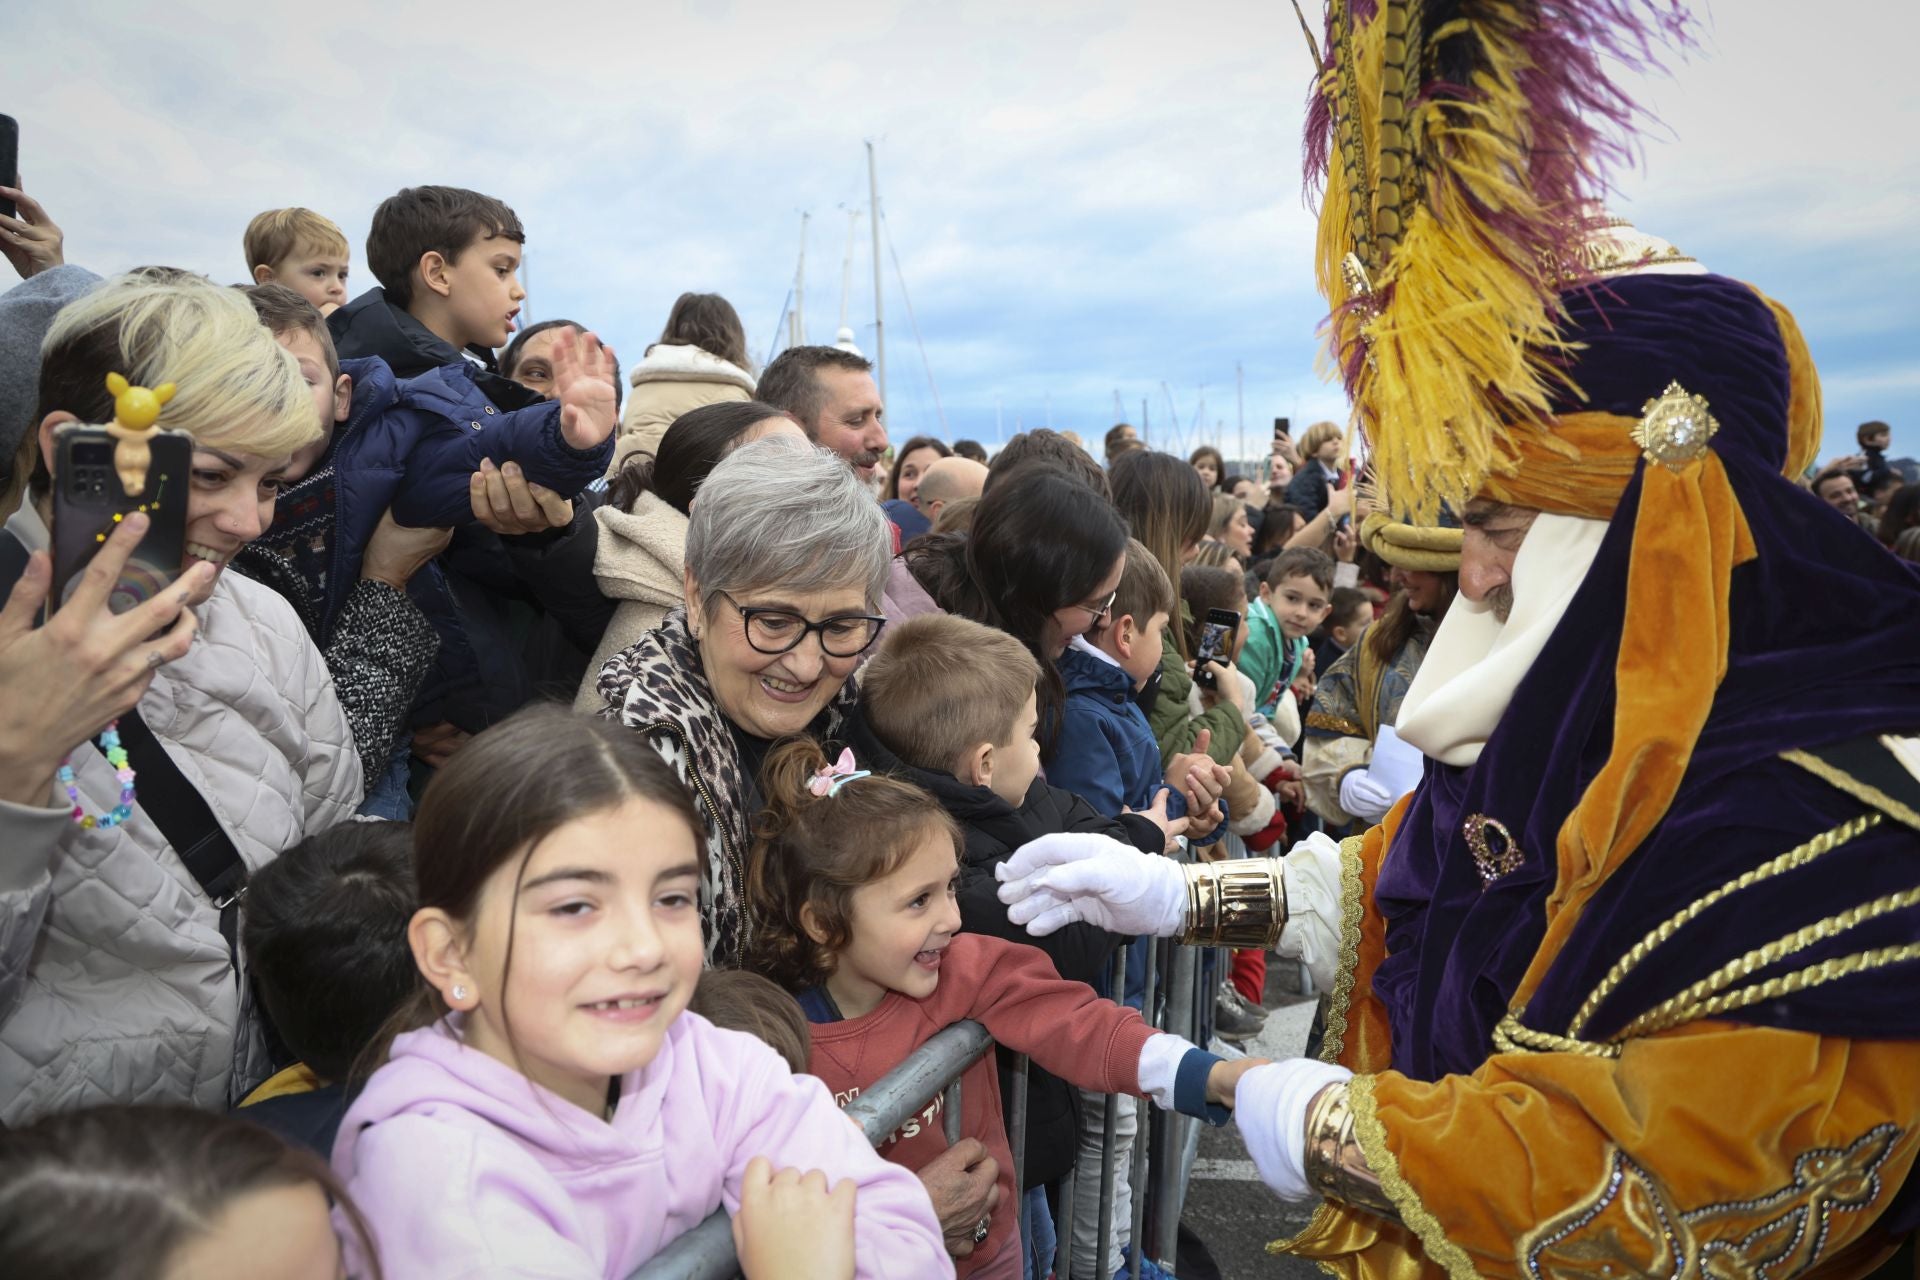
point(670, 381)
point(639, 561)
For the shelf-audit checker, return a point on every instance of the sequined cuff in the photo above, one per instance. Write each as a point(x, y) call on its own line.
point(1336, 1166)
point(1242, 903)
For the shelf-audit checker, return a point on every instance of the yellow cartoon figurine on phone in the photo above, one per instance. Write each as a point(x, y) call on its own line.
point(135, 409)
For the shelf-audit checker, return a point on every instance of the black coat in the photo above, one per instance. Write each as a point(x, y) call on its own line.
point(1081, 952)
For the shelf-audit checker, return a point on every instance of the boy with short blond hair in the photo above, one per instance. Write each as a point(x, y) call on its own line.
point(302, 250)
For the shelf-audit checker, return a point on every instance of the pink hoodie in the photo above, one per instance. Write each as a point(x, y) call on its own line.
point(465, 1168)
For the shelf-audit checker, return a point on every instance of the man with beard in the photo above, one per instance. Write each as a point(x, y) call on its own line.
point(832, 394)
point(1352, 761)
point(1625, 986)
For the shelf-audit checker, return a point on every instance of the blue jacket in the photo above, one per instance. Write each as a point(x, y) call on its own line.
point(411, 446)
point(1106, 753)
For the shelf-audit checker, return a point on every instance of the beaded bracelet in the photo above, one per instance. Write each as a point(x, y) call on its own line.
point(117, 757)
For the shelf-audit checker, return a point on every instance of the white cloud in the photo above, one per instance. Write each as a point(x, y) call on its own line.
point(1084, 196)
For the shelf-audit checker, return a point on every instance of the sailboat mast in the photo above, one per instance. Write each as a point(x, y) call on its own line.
point(879, 325)
point(797, 322)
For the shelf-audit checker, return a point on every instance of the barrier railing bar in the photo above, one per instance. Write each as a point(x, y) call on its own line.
point(1182, 982)
point(1109, 1133)
point(706, 1252)
point(1137, 1180)
point(1017, 1135)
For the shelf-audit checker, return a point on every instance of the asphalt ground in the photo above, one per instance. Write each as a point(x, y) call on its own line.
point(1228, 1208)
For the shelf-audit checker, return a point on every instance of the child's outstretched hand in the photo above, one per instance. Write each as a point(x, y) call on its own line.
point(790, 1227)
point(1171, 828)
point(583, 384)
point(1225, 1078)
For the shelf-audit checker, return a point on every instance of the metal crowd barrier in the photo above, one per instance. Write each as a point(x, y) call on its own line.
point(707, 1253)
point(1176, 999)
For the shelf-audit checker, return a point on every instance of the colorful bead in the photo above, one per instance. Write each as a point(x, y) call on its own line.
point(117, 758)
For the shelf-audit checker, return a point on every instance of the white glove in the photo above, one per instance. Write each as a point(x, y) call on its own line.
point(1396, 764)
point(1059, 879)
point(1270, 1106)
point(1364, 798)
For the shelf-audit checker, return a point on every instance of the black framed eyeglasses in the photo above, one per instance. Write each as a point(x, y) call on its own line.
point(774, 631)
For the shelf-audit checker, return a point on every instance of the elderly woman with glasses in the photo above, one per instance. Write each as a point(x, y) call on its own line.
point(787, 557)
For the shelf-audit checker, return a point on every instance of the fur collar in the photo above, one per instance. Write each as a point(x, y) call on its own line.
point(669, 362)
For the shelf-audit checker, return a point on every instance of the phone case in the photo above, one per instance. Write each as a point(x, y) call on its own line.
point(89, 500)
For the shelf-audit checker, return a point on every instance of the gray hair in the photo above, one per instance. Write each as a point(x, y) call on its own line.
point(779, 512)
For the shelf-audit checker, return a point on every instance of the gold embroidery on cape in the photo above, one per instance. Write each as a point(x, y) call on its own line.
point(1510, 1035)
point(1335, 724)
point(1373, 1141)
point(1824, 843)
point(1352, 910)
point(1864, 792)
point(1630, 1225)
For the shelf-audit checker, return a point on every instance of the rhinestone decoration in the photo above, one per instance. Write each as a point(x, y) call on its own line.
point(1490, 862)
point(1675, 428)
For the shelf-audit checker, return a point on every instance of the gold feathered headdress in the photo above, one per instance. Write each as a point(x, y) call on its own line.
point(1458, 144)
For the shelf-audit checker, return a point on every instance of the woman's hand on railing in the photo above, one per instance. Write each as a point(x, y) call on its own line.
point(964, 1184)
point(790, 1227)
point(1059, 879)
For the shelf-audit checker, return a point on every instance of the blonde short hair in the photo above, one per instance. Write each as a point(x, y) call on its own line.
point(941, 685)
point(1317, 435)
point(275, 235)
point(235, 388)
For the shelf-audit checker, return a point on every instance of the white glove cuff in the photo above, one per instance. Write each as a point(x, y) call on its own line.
point(1270, 1106)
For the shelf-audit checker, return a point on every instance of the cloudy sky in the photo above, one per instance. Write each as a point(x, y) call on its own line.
point(1085, 198)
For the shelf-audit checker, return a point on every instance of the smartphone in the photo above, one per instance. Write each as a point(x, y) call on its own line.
point(89, 500)
point(9, 161)
point(1215, 636)
point(1280, 426)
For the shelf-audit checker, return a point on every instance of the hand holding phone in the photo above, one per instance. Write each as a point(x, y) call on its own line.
point(9, 160)
point(1214, 638)
point(90, 499)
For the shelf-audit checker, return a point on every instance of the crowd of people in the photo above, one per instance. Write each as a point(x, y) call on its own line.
point(544, 794)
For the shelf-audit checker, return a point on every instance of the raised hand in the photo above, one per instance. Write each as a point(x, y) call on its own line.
point(32, 242)
point(583, 384)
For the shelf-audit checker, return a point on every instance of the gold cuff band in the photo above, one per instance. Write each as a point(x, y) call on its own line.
point(1336, 1166)
point(1242, 903)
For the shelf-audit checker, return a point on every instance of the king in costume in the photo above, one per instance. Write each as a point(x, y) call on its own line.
point(1626, 987)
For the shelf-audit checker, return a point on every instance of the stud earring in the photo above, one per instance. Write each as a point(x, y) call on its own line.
point(459, 992)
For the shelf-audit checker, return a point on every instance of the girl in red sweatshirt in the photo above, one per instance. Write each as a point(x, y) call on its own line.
point(852, 907)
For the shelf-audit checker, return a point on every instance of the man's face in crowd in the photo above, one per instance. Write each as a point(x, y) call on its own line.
point(1494, 532)
point(1838, 492)
point(851, 419)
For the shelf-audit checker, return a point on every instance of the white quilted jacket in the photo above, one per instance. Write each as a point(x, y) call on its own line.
point(115, 985)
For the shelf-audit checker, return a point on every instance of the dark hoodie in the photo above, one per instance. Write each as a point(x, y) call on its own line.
point(1081, 952)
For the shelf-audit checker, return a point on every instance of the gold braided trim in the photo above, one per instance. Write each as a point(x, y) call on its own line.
point(1287, 1245)
point(1352, 911)
point(1380, 1159)
point(1335, 724)
point(1510, 1036)
point(1704, 997)
point(1864, 792)
point(1824, 843)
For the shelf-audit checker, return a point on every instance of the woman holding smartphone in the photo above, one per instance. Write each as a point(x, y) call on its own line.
point(117, 973)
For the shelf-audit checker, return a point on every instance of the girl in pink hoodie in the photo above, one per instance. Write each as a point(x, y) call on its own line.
point(552, 1110)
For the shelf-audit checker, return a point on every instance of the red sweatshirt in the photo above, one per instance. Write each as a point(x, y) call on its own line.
point(1013, 991)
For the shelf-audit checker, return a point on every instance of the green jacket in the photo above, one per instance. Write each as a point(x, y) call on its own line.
point(1268, 658)
point(1175, 730)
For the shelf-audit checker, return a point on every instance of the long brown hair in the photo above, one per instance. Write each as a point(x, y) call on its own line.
point(111, 1193)
point(709, 322)
point(500, 796)
point(900, 460)
point(1167, 504)
point(1391, 631)
point(815, 851)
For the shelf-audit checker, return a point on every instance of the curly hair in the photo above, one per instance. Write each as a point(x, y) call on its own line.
point(815, 851)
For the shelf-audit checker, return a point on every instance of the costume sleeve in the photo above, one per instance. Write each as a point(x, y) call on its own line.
point(1715, 1149)
point(792, 1120)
